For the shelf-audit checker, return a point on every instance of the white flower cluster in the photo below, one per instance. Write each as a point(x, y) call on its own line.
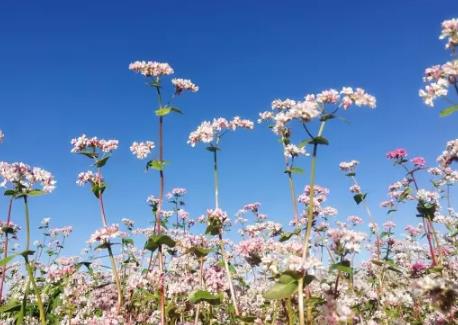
point(151, 68)
point(24, 177)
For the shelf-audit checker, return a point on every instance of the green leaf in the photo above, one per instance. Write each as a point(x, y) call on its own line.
point(12, 305)
point(319, 140)
point(155, 241)
point(343, 266)
point(199, 251)
point(202, 295)
point(127, 241)
point(101, 162)
point(359, 197)
point(284, 236)
point(247, 319)
point(213, 227)
point(8, 259)
point(326, 117)
point(36, 193)
point(98, 188)
point(156, 164)
point(163, 111)
point(230, 266)
point(281, 290)
point(448, 111)
point(350, 174)
point(90, 154)
point(177, 110)
point(10, 193)
point(391, 211)
point(26, 253)
point(295, 170)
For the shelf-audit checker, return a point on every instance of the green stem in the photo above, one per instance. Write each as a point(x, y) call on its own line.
point(29, 267)
point(116, 276)
point(215, 177)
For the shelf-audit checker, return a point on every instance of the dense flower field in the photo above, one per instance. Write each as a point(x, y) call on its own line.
point(316, 268)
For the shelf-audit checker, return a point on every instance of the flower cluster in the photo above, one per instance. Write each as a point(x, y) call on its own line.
point(449, 155)
point(438, 78)
point(83, 144)
point(24, 178)
point(151, 68)
point(89, 177)
point(292, 150)
point(348, 166)
point(184, 84)
point(397, 154)
point(450, 31)
point(141, 149)
point(103, 235)
point(208, 132)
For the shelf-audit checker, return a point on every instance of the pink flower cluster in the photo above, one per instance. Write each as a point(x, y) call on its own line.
point(348, 166)
point(450, 31)
point(176, 192)
point(449, 155)
point(151, 68)
point(24, 177)
point(419, 162)
point(184, 84)
point(89, 177)
point(397, 154)
point(64, 231)
point(84, 143)
point(438, 79)
point(141, 149)
point(292, 150)
point(208, 131)
point(103, 235)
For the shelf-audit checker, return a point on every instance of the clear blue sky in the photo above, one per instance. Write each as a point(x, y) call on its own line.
point(63, 72)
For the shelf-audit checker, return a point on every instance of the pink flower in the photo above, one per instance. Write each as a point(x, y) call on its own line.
point(83, 144)
point(418, 162)
point(141, 149)
point(151, 68)
point(399, 153)
point(184, 84)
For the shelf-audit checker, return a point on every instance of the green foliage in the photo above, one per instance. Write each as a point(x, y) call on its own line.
point(202, 295)
point(448, 111)
point(155, 241)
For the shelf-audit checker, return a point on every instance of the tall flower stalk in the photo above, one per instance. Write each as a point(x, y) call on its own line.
point(27, 181)
point(154, 71)
point(311, 108)
point(211, 134)
point(99, 151)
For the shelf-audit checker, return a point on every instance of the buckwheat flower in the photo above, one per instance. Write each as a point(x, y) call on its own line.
point(252, 207)
point(348, 166)
point(45, 222)
point(286, 104)
point(330, 96)
point(397, 154)
point(449, 155)
point(184, 84)
point(89, 177)
point(355, 189)
point(64, 231)
point(414, 231)
point(450, 31)
point(419, 162)
point(178, 191)
point(152, 201)
point(9, 228)
point(238, 122)
point(183, 214)
point(292, 150)
point(427, 197)
point(2, 136)
point(265, 116)
point(129, 223)
point(304, 111)
point(204, 133)
point(357, 97)
point(355, 220)
point(84, 144)
point(389, 225)
point(141, 149)
point(24, 178)
point(373, 227)
point(103, 235)
point(151, 68)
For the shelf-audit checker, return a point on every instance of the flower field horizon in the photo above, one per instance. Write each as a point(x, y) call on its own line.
point(326, 245)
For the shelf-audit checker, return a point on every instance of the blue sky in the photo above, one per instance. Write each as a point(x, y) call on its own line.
point(63, 72)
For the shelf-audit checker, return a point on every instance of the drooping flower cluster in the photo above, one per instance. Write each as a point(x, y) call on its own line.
point(141, 149)
point(208, 132)
point(151, 68)
point(83, 144)
point(24, 178)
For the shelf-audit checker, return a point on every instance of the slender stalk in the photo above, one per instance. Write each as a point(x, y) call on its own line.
point(308, 231)
point(293, 199)
point(111, 256)
point(223, 252)
point(29, 267)
point(5, 249)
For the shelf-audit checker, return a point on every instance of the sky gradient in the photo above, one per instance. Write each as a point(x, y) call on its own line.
point(64, 72)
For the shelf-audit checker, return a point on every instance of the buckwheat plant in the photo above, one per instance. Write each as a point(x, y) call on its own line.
point(155, 72)
point(313, 107)
point(99, 151)
point(441, 77)
point(22, 182)
point(211, 133)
